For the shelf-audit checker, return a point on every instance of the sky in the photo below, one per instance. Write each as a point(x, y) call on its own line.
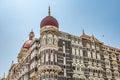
point(18, 17)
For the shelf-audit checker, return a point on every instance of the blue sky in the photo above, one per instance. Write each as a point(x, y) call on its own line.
point(18, 17)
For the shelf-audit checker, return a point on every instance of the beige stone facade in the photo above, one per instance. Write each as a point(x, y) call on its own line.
point(58, 55)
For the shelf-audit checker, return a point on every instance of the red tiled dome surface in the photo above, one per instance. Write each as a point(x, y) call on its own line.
point(49, 20)
point(27, 44)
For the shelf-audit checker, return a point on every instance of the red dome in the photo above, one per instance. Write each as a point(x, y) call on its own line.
point(49, 20)
point(27, 44)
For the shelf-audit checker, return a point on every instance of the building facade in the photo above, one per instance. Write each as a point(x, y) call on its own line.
point(58, 55)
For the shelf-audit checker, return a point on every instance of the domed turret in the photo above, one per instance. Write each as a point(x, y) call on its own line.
point(27, 44)
point(31, 35)
point(25, 48)
point(49, 20)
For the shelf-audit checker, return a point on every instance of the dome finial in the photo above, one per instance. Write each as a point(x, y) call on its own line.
point(83, 31)
point(31, 35)
point(12, 62)
point(49, 11)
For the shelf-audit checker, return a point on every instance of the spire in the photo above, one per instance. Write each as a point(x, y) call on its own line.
point(49, 11)
point(12, 62)
point(83, 31)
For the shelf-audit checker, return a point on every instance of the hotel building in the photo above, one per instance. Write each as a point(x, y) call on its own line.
point(57, 55)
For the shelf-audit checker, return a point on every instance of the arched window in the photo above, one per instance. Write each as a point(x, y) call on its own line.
point(108, 73)
point(90, 69)
point(75, 75)
point(51, 74)
point(47, 74)
point(55, 40)
point(116, 74)
point(91, 78)
point(44, 40)
point(107, 63)
point(82, 68)
point(42, 75)
point(106, 55)
point(82, 77)
point(115, 65)
point(100, 72)
point(113, 56)
point(49, 39)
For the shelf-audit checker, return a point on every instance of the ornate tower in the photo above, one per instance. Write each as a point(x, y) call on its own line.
point(48, 68)
point(25, 48)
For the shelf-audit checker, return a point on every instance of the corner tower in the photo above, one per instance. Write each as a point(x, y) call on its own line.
point(48, 68)
point(25, 48)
